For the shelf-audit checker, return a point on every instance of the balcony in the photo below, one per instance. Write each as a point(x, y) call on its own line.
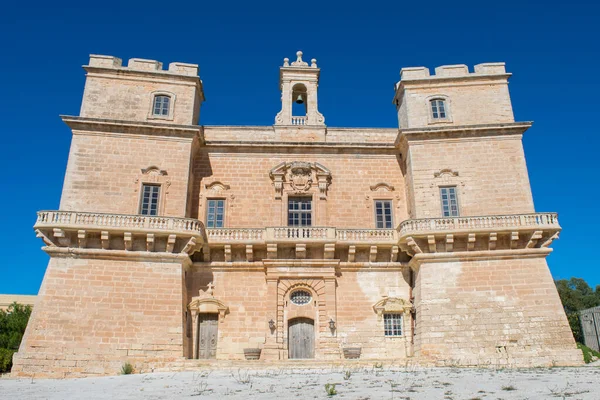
point(119, 231)
point(510, 232)
point(301, 235)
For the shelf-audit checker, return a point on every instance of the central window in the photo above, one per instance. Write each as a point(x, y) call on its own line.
point(215, 214)
point(299, 211)
point(383, 214)
point(300, 297)
point(150, 197)
point(449, 201)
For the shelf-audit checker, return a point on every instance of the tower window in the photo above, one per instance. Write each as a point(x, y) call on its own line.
point(438, 109)
point(150, 198)
point(392, 324)
point(383, 214)
point(299, 211)
point(215, 215)
point(449, 201)
point(161, 105)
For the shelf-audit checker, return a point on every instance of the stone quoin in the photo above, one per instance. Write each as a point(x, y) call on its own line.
point(176, 241)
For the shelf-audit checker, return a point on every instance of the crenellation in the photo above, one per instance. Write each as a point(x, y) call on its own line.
point(141, 64)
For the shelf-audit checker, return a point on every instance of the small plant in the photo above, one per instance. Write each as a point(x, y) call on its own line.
point(330, 389)
point(127, 369)
point(509, 388)
point(378, 365)
point(347, 374)
point(243, 377)
point(589, 355)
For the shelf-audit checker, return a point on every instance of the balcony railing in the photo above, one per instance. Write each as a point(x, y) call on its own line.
point(475, 224)
point(120, 222)
point(300, 235)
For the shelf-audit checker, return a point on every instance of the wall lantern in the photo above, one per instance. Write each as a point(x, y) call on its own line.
point(271, 324)
point(331, 324)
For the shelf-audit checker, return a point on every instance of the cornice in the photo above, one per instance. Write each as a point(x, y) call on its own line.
point(409, 135)
point(101, 126)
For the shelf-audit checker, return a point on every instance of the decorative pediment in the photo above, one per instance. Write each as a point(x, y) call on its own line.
point(208, 305)
point(446, 176)
point(382, 186)
point(299, 177)
point(217, 186)
point(445, 171)
point(392, 305)
point(154, 170)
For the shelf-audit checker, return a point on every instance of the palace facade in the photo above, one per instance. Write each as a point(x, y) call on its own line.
point(176, 241)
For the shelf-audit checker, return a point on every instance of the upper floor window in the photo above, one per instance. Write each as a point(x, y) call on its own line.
point(215, 215)
point(392, 324)
point(150, 198)
point(299, 211)
point(449, 201)
point(438, 108)
point(383, 214)
point(161, 105)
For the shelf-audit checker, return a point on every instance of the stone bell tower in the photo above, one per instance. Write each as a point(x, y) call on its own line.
point(298, 83)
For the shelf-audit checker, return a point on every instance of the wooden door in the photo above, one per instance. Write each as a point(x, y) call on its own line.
point(207, 335)
point(301, 338)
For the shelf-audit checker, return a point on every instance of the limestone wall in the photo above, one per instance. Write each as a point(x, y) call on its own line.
point(251, 194)
point(489, 173)
point(94, 315)
point(491, 312)
point(105, 173)
point(127, 93)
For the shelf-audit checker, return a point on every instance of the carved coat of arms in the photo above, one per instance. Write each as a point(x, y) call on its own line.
point(300, 176)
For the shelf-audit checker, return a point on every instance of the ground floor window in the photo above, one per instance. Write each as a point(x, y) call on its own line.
point(392, 324)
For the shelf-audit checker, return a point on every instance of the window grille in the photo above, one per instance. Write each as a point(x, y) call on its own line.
point(392, 324)
point(300, 297)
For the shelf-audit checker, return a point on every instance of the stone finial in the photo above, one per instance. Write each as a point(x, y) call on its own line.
point(313, 63)
point(286, 62)
point(210, 289)
point(299, 62)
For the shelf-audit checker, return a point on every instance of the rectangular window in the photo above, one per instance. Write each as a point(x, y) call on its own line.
point(215, 215)
point(392, 324)
point(449, 201)
point(161, 105)
point(299, 211)
point(383, 214)
point(150, 198)
point(438, 109)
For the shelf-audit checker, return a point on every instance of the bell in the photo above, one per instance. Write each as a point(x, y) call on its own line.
point(299, 99)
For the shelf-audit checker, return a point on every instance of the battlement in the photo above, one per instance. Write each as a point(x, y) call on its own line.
point(452, 71)
point(140, 64)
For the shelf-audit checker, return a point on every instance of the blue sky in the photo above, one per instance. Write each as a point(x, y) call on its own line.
point(552, 50)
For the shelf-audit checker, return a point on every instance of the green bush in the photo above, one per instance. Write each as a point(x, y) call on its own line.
point(589, 355)
point(127, 369)
point(6, 359)
point(12, 327)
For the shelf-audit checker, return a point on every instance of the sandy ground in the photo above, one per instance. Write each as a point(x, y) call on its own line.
point(350, 383)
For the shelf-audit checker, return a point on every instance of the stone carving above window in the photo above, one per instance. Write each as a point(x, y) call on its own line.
point(392, 305)
point(446, 176)
point(299, 177)
point(382, 186)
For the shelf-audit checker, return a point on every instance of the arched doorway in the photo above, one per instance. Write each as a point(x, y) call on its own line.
point(301, 338)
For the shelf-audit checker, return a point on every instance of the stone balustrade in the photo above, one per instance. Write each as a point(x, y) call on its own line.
point(299, 120)
point(478, 233)
point(301, 235)
point(477, 224)
point(123, 222)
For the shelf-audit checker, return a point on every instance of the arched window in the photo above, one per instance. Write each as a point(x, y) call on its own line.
point(438, 109)
point(161, 106)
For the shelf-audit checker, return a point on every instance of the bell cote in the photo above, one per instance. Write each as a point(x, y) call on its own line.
point(298, 83)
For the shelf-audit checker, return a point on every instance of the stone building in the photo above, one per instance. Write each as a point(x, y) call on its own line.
point(176, 241)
